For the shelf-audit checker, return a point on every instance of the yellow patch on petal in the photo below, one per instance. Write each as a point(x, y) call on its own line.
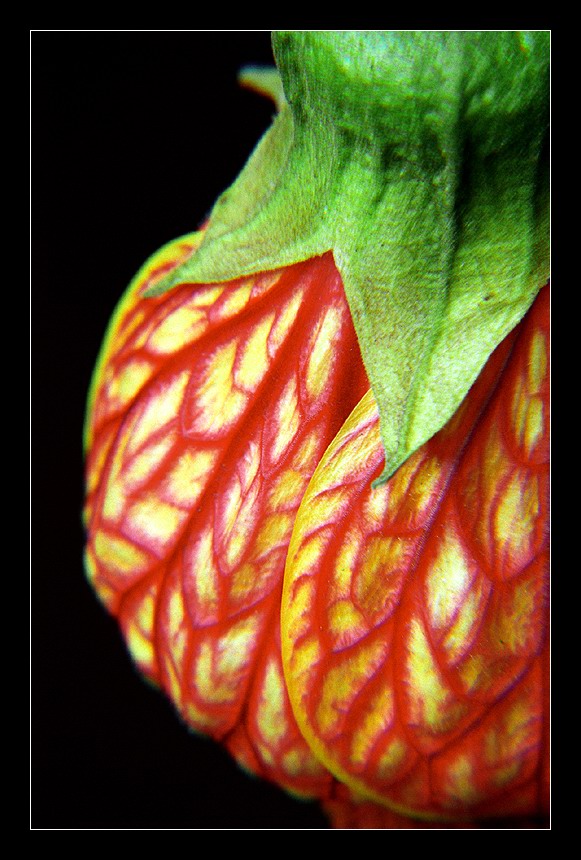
point(432, 704)
point(219, 403)
point(535, 425)
point(377, 720)
point(176, 630)
point(107, 595)
point(96, 464)
point(178, 329)
point(412, 489)
point(346, 622)
point(271, 710)
point(244, 581)
point(459, 637)
point(528, 417)
point(231, 508)
point(460, 784)
point(519, 409)
point(146, 613)
point(90, 563)
point(287, 418)
point(248, 465)
point(304, 656)
point(207, 296)
point(515, 518)
point(233, 648)
point(200, 719)
point(284, 321)
point(239, 525)
point(139, 631)
point(510, 630)
point(346, 460)
point(326, 507)
point(300, 761)
point(391, 759)
point(321, 356)
point(275, 531)
point(130, 319)
point(142, 465)
point(447, 580)
point(176, 613)
point(202, 574)
point(309, 552)
point(287, 489)
point(346, 564)
point(342, 683)
point(189, 475)
point(375, 506)
point(155, 521)
point(162, 407)
point(297, 619)
point(140, 647)
point(115, 501)
point(505, 743)
point(126, 382)
point(236, 298)
point(538, 361)
point(209, 687)
point(119, 554)
point(495, 463)
point(473, 672)
point(376, 584)
point(253, 360)
point(307, 451)
point(220, 663)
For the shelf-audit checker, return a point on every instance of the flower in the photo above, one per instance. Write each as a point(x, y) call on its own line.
point(317, 439)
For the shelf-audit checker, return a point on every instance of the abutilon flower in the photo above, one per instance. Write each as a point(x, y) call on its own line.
point(317, 438)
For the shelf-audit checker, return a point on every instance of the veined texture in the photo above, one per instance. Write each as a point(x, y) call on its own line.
point(415, 614)
point(210, 409)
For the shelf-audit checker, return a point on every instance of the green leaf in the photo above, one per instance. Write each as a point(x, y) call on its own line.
point(421, 160)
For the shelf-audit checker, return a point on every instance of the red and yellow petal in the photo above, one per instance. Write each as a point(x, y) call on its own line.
point(415, 614)
point(211, 407)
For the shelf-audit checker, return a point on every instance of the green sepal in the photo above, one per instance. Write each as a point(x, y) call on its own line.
point(264, 80)
point(420, 158)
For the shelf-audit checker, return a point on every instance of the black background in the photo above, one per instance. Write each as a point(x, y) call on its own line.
point(133, 136)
